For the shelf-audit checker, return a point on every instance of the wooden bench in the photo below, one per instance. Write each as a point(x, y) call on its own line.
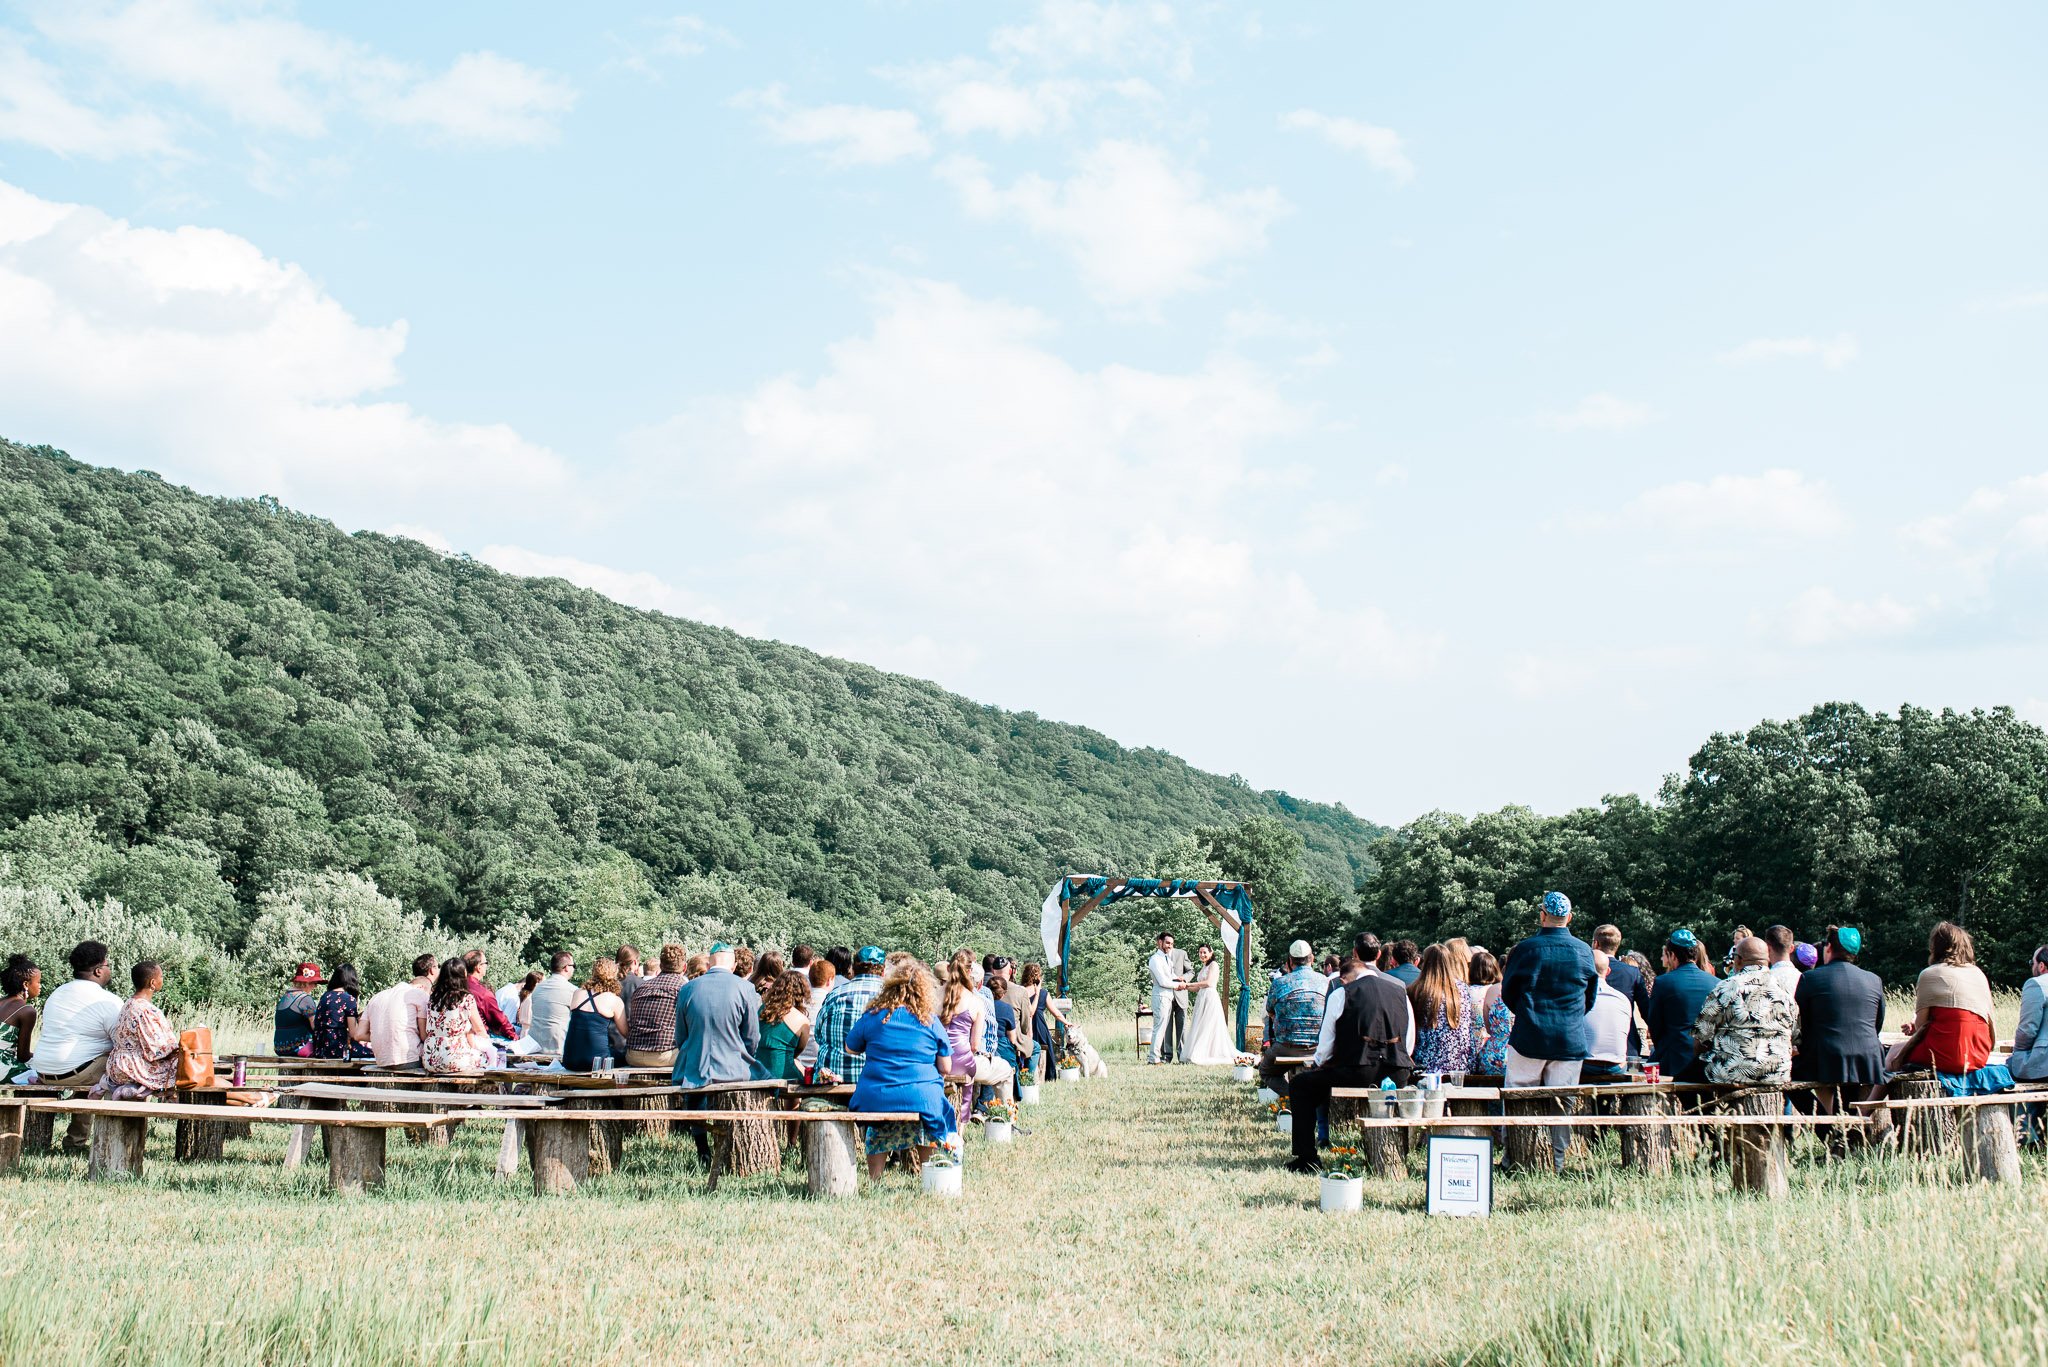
point(1990, 1138)
point(120, 1130)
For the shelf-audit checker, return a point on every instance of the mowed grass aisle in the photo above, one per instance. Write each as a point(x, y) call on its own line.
point(1144, 1219)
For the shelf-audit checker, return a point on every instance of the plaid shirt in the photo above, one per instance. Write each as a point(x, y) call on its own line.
point(844, 1004)
point(651, 1014)
point(1295, 1003)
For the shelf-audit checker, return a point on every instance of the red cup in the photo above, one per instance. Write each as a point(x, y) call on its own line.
point(1653, 1073)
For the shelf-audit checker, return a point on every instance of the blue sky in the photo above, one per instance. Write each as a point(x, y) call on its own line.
point(1431, 409)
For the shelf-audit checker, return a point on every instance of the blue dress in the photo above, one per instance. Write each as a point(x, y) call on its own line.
point(902, 1070)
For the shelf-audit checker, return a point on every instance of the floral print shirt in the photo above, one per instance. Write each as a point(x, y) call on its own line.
point(456, 1040)
point(145, 1053)
point(1746, 1029)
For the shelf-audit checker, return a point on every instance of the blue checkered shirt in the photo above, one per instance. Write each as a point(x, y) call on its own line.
point(1296, 1001)
point(843, 1005)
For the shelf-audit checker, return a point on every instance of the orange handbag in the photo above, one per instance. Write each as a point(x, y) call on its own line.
point(195, 1058)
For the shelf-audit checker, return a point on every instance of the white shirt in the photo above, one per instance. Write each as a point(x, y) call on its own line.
point(1333, 1007)
point(508, 999)
point(1162, 971)
point(1787, 974)
point(75, 1027)
point(394, 1016)
point(1607, 1026)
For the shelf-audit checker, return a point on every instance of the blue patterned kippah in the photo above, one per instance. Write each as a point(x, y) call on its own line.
point(1556, 904)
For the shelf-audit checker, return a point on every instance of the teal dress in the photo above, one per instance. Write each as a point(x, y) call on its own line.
point(775, 1060)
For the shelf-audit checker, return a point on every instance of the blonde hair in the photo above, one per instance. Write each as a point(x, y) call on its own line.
point(1460, 950)
point(910, 986)
point(604, 977)
point(959, 984)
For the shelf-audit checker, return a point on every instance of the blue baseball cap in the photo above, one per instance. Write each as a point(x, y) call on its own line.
point(1556, 904)
point(869, 954)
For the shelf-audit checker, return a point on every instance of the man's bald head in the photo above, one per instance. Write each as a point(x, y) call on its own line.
point(1600, 962)
point(1751, 953)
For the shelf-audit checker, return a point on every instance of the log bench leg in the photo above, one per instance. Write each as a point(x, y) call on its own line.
point(355, 1159)
point(1993, 1144)
point(1529, 1146)
point(832, 1158)
point(202, 1141)
point(38, 1131)
point(1646, 1148)
point(116, 1148)
point(13, 1122)
point(740, 1148)
point(559, 1153)
point(1931, 1130)
point(508, 1148)
point(1756, 1153)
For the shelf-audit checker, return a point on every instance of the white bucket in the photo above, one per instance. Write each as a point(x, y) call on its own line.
point(942, 1181)
point(1267, 1094)
point(1343, 1193)
point(1376, 1106)
point(1028, 1094)
point(1409, 1102)
point(1243, 1072)
point(1070, 1075)
point(999, 1131)
point(1433, 1104)
point(1283, 1122)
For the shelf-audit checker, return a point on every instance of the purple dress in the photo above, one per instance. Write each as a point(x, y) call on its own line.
point(960, 1036)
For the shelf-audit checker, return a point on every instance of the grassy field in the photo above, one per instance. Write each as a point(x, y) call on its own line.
point(1144, 1219)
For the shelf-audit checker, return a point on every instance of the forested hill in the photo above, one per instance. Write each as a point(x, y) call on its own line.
point(228, 694)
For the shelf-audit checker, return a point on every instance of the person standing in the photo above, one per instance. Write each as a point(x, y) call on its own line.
point(1550, 985)
point(548, 1007)
point(1748, 1025)
point(1368, 1034)
point(1166, 984)
point(1675, 1003)
point(1294, 1013)
point(77, 1033)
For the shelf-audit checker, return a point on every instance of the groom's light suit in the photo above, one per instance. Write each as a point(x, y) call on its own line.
point(1169, 1008)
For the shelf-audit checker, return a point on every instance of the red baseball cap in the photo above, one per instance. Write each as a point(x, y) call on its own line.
point(308, 973)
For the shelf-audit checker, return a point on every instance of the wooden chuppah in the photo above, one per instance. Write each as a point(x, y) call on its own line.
point(1203, 892)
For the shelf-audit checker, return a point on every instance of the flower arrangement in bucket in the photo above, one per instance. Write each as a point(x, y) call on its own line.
point(1000, 1126)
point(1244, 1068)
point(941, 1172)
point(1283, 1119)
point(1343, 1181)
point(1070, 1067)
point(1027, 1092)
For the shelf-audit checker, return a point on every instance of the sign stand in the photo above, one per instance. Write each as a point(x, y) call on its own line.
point(1460, 1175)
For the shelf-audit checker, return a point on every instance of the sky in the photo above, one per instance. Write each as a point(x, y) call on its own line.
point(1412, 407)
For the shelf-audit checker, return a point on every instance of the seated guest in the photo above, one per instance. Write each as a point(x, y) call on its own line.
point(628, 960)
point(696, 965)
point(512, 997)
point(1005, 1038)
point(1608, 1023)
point(1951, 1027)
point(906, 1056)
point(457, 1041)
point(552, 997)
point(718, 1024)
point(339, 1030)
point(651, 1015)
point(494, 1020)
point(785, 1029)
point(21, 984)
point(841, 959)
point(843, 1006)
point(1675, 1002)
point(820, 975)
point(743, 964)
point(292, 1019)
point(1404, 954)
point(596, 1022)
point(1804, 956)
point(1841, 1016)
point(1294, 1012)
point(143, 1063)
point(1779, 942)
point(1368, 1034)
point(1494, 1022)
point(1443, 1039)
point(77, 1033)
point(1748, 1025)
point(397, 1017)
point(1624, 977)
point(2029, 1061)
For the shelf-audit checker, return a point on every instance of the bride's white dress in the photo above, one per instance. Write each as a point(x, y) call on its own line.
point(1208, 1034)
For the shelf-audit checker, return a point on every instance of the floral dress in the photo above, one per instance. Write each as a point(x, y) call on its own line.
point(456, 1040)
point(144, 1059)
point(1443, 1047)
point(1492, 1058)
point(330, 1026)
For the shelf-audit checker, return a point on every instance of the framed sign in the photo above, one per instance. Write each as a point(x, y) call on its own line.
point(1460, 1175)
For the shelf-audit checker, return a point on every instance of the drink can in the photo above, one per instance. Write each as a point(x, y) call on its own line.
point(1653, 1073)
point(241, 1072)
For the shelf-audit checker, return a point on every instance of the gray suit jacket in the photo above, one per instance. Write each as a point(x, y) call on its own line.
point(1183, 970)
point(718, 1028)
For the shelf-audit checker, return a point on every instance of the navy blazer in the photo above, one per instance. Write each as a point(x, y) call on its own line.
point(1627, 979)
point(1549, 983)
point(1674, 1005)
point(1841, 1013)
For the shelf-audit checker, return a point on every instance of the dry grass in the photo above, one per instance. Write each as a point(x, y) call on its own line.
point(1145, 1218)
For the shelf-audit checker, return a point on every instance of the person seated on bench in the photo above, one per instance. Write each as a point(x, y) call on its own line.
point(143, 1063)
point(1951, 1027)
point(339, 1030)
point(1444, 1037)
point(1494, 1022)
point(1749, 1024)
point(784, 1028)
point(651, 1015)
point(397, 1017)
point(844, 1005)
point(2029, 1061)
point(906, 1057)
point(1675, 1000)
point(21, 983)
point(1368, 1034)
point(291, 1020)
point(78, 1033)
point(595, 1022)
point(1607, 1028)
point(1841, 1016)
point(457, 1040)
point(1294, 1013)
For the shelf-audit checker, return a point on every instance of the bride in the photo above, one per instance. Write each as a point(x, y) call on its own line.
point(1208, 1036)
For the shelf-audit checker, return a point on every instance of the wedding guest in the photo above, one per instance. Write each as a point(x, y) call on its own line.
point(1549, 983)
point(339, 1030)
point(548, 1018)
point(521, 1011)
point(76, 1033)
point(291, 1027)
point(1460, 950)
point(143, 1064)
point(1951, 1027)
point(1294, 1013)
point(1748, 1025)
point(397, 1017)
point(718, 1024)
point(907, 1057)
point(1841, 1019)
point(1022, 991)
point(821, 977)
point(1404, 955)
point(487, 1010)
point(1608, 1023)
point(1443, 1041)
point(841, 959)
point(962, 1012)
point(1626, 978)
point(21, 985)
point(651, 1015)
point(767, 969)
point(1368, 1034)
point(596, 1021)
point(785, 1029)
point(512, 993)
point(1779, 944)
point(1494, 1022)
point(1675, 1001)
point(801, 957)
point(843, 1005)
point(743, 963)
point(697, 965)
point(628, 960)
point(457, 1039)
point(2029, 1061)
point(1805, 956)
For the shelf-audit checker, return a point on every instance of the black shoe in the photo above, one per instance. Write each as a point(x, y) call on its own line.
point(1306, 1166)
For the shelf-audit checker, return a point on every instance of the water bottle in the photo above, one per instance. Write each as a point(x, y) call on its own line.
point(1386, 1084)
point(241, 1072)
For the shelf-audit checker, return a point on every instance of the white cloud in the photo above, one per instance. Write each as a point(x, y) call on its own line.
point(676, 37)
point(948, 467)
point(192, 348)
point(2026, 299)
point(1821, 617)
point(426, 536)
point(273, 73)
point(844, 134)
point(1381, 147)
point(2011, 519)
point(1598, 413)
point(1776, 502)
point(969, 96)
point(1079, 32)
point(1833, 353)
point(35, 109)
point(634, 588)
point(1139, 227)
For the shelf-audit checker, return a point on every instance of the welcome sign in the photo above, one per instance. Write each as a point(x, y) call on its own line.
point(1460, 1175)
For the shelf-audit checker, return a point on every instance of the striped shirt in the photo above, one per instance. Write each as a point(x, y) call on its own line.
point(844, 1004)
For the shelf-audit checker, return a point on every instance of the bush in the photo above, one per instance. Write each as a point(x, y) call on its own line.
point(333, 918)
point(46, 925)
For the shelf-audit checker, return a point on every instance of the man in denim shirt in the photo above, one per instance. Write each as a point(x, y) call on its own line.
point(1294, 1013)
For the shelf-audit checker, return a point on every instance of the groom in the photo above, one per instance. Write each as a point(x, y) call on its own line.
point(1169, 969)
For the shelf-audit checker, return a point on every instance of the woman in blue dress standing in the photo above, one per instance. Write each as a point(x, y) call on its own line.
point(907, 1059)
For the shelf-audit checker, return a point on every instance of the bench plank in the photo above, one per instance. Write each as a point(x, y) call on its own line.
point(383, 1096)
point(169, 1110)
